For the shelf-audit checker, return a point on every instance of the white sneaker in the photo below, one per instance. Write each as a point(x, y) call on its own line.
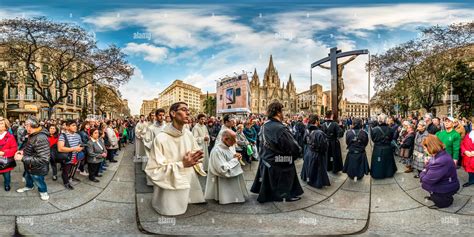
point(84, 173)
point(23, 180)
point(25, 189)
point(44, 196)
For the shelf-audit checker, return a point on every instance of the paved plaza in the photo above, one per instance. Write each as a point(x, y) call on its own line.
point(120, 205)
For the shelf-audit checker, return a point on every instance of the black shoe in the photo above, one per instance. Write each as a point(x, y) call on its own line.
point(428, 198)
point(113, 161)
point(416, 176)
point(69, 186)
point(7, 188)
point(99, 175)
point(293, 199)
point(94, 180)
point(466, 184)
point(433, 207)
point(55, 177)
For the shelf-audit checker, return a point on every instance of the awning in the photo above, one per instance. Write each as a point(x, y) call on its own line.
point(22, 111)
point(234, 110)
point(67, 113)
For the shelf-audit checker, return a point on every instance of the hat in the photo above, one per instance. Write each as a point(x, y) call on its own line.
point(449, 118)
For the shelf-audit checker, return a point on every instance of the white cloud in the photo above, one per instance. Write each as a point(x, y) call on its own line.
point(139, 89)
point(151, 53)
point(184, 33)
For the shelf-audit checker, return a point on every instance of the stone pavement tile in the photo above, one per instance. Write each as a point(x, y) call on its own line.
point(406, 181)
point(107, 176)
point(468, 209)
point(126, 173)
point(362, 185)
point(251, 206)
point(118, 192)
point(336, 183)
point(459, 200)
point(140, 184)
point(387, 181)
point(288, 223)
point(390, 198)
point(468, 191)
point(27, 205)
point(7, 225)
point(419, 221)
point(146, 213)
point(68, 199)
point(308, 199)
point(344, 204)
point(96, 217)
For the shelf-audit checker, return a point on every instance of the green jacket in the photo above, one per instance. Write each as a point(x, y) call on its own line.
point(452, 141)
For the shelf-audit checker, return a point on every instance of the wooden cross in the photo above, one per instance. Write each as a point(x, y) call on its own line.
point(337, 85)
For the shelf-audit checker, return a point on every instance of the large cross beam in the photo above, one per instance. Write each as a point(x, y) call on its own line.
point(332, 57)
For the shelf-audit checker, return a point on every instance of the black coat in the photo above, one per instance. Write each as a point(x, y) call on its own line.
point(300, 129)
point(356, 164)
point(276, 177)
point(36, 153)
point(333, 133)
point(315, 159)
point(382, 162)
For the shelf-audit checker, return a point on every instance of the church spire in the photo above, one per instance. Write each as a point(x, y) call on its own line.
point(270, 64)
point(255, 81)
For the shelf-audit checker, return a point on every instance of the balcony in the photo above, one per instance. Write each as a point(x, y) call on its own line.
point(13, 97)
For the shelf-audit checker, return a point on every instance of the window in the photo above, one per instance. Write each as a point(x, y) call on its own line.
point(46, 93)
point(237, 92)
point(13, 93)
point(58, 84)
point(78, 100)
point(29, 93)
point(45, 68)
point(220, 97)
point(45, 79)
point(69, 98)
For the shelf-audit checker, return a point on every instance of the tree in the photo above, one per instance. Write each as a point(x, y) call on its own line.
point(210, 104)
point(462, 77)
point(107, 98)
point(416, 69)
point(67, 54)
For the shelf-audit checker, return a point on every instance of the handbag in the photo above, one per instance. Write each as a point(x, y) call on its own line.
point(249, 150)
point(63, 156)
point(6, 163)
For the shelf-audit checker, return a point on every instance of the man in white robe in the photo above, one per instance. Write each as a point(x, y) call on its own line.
point(229, 122)
point(170, 167)
point(140, 131)
point(152, 131)
point(201, 134)
point(225, 180)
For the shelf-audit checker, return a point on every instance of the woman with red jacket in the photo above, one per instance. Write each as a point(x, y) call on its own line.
point(8, 148)
point(53, 146)
point(467, 152)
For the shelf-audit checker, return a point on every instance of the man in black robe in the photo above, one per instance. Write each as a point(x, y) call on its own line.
point(382, 162)
point(276, 178)
point(356, 164)
point(300, 129)
point(315, 160)
point(333, 132)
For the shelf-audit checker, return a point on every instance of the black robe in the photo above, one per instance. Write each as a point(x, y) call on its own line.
point(356, 164)
point(333, 133)
point(382, 163)
point(315, 160)
point(300, 130)
point(276, 178)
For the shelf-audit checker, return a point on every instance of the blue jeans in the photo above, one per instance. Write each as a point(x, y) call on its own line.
point(471, 178)
point(36, 179)
point(6, 178)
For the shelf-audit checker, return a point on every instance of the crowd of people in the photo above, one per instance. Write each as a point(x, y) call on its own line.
point(178, 148)
point(84, 147)
point(175, 149)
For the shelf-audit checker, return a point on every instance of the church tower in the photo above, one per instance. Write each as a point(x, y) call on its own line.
point(271, 78)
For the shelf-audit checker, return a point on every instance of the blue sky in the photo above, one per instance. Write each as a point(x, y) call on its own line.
point(200, 43)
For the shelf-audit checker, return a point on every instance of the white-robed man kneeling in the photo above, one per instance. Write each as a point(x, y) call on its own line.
point(225, 181)
point(170, 167)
